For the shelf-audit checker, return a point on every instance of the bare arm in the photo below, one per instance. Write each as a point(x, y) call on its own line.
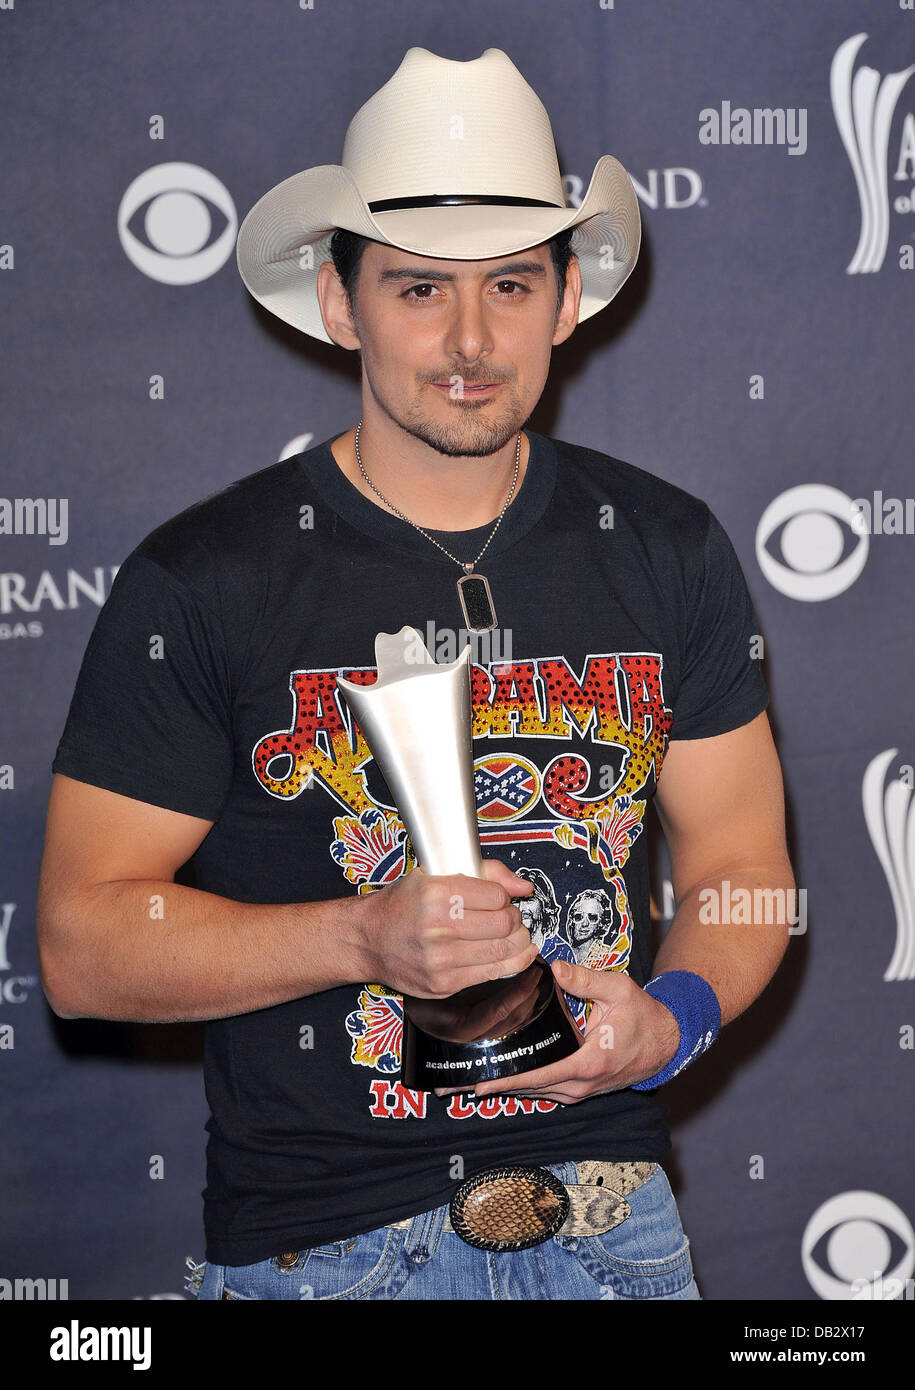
point(721, 805)
point(119, 939)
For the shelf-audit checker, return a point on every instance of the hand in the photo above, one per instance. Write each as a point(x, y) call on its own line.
point(628, 1037)
point(430, 936)
point(489, 1010)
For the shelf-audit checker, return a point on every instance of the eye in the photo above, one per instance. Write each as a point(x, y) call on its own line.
point(411, 293)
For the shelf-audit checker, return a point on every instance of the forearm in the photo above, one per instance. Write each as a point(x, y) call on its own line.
point(158, 952)
point(732, 929)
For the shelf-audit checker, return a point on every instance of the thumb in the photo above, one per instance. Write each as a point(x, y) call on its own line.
point(516, 887)
point(586, 984)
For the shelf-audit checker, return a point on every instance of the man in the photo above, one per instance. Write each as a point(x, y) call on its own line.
point(589, 927)
point(540, 914)
point(449, 271)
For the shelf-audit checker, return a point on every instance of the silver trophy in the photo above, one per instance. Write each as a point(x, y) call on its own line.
point(417, 721)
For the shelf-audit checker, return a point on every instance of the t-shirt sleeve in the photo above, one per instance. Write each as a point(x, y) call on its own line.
point(150, 716)
point(721, 685)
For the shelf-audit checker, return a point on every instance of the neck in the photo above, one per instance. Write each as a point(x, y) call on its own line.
point(436, 491)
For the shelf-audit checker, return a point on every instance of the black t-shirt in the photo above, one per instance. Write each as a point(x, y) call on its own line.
point(208, 688)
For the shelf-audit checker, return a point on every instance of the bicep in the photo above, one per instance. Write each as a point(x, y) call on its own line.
point(720, 801)
point(96, 836)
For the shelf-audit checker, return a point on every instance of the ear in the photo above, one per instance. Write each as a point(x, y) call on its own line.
point(567, 318)
point(336, 311)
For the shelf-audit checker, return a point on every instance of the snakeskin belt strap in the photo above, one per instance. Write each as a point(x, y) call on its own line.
point(514, 1208)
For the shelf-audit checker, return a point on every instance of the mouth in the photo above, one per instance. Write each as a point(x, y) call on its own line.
point(467, 391)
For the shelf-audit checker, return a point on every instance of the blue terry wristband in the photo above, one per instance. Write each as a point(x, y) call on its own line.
point(694, 1005)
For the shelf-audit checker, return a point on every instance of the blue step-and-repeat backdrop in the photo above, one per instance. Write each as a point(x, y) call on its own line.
point(759, 357)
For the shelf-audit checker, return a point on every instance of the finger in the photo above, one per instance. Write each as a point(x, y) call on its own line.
point(557, 1074)
point(556, 1097)
point(468, 965)
point(468, 924)
point(503, 955)
point(567, 1095)
point(606, 985)
point(495, 871)
point(481, 894)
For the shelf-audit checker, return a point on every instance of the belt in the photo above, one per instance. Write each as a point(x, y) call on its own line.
point(514, 1208)
point(504, 1209)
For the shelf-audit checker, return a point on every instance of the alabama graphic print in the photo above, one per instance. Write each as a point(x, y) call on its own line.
point(564, 813)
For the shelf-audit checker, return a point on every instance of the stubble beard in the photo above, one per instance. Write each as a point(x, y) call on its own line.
point(472, 433)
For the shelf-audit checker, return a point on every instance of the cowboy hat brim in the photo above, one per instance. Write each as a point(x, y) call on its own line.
point(287, 234)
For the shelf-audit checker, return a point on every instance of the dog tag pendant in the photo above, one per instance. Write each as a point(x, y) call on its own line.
point(476, 601)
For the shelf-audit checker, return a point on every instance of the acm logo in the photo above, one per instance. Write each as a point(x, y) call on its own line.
point(863, 104)
point(889, 812)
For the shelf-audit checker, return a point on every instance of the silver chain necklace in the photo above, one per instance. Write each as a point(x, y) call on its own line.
point(473, 589)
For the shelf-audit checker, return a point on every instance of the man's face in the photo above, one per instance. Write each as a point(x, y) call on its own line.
point(431, 330)
point(531, 910)
point(585, 921)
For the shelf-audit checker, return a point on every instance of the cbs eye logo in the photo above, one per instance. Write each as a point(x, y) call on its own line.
point(816, 529)
point(173, 205)
point(858, 1245)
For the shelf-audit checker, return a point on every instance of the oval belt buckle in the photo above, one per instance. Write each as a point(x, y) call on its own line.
point(509, 1208)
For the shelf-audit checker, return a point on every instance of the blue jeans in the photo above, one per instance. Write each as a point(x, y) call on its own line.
point(646, 1256)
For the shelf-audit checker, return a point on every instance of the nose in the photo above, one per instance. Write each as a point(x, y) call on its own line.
point(469, 333)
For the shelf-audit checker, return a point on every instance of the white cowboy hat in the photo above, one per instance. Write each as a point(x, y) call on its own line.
point(448, 160)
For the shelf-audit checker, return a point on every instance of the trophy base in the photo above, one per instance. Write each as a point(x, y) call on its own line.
point(431, 1063)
